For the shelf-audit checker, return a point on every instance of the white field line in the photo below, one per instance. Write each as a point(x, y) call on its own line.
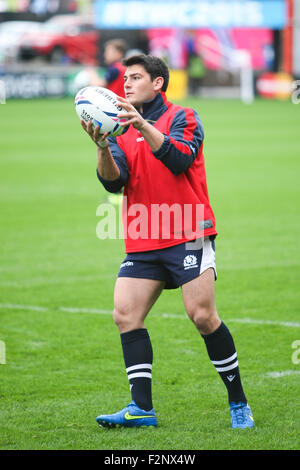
point(273, 375)
point(101, 311)
point(277, 375)
point(265, 322)
point(38, 308)
point(86, 310)
point(24, 307)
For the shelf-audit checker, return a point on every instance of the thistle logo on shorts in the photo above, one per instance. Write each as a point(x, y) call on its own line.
point(190, 261)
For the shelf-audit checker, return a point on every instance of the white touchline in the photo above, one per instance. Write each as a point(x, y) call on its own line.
point(101, 311)
point(85, 310)
point(265, 322)
point(24, 307)
point(277, 375)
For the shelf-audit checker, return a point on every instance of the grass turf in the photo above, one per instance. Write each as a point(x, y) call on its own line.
point(65, 366)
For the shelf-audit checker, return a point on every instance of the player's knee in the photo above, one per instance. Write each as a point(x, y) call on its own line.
point(119, 317)
point(202, 316)
point(124, 320)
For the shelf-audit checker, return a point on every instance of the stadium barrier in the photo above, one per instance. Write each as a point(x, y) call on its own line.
point(48, 81)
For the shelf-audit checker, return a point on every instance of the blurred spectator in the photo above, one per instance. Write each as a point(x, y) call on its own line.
point(114, 52)
point(196, 69)
point(196, 73)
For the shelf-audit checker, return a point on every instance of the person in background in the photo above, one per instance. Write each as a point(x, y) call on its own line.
point(113, 79)
point(114, 52)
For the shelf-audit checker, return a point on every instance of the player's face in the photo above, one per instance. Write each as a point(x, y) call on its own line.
point(138, 85)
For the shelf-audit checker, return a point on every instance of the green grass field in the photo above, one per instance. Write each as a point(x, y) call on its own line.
point(64, 364)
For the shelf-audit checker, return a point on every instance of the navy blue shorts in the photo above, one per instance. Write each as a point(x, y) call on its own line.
point(175, 265)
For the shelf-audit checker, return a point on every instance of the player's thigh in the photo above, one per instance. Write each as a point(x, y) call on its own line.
point(134, 297)
point(199, 298)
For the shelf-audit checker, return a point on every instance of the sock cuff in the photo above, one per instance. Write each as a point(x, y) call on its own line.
point(134, 335)
point(221, 332)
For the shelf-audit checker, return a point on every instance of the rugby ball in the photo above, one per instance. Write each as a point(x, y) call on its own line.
point(98, 104)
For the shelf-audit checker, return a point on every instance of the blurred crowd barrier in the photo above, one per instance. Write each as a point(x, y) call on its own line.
point(57, 82)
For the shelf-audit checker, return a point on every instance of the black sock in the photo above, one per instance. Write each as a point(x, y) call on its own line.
point(222, 353)
point(138, 357)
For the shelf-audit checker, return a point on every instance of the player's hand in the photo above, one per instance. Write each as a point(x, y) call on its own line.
point(130, 114)
point(99, 139)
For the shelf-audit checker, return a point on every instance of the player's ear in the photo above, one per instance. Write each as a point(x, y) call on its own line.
point(158, 83)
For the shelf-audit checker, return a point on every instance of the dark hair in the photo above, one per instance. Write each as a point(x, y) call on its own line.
point(155, 66)
point(119, 44)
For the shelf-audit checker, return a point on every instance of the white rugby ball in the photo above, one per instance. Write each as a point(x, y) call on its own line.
point(98, 104)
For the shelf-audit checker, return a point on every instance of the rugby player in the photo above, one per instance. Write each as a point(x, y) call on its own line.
point(159, 161)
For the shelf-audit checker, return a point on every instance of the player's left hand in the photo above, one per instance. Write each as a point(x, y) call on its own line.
point(131, 114)
point(99, 139)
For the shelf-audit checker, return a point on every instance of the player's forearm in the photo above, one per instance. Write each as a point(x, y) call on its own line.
point(107, 167)
point(153, 136)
